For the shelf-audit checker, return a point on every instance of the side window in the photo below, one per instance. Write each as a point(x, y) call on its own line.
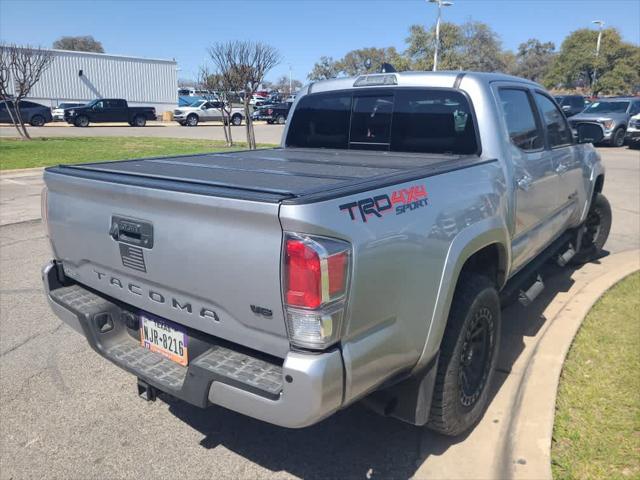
point(635, 108)
point(521, 121)
point(556, 125)
point(99, 105)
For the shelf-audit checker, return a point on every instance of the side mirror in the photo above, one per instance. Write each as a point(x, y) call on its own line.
point(589, 132)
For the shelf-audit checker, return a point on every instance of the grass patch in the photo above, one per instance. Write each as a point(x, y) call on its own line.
point(597, 426)
point(44, 152)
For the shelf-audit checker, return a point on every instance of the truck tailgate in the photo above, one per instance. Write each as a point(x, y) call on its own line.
point(211, 258)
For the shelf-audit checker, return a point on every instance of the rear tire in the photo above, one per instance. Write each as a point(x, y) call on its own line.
point(281, 120)
point(597, 227)
point(37, 121)
point(82, 121)
point(468, 355)
point(139, 121)
point(236, 120)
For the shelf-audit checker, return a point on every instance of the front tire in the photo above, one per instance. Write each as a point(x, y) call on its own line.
point(192, 120)
point(281, 120)
point(468, 356)
point(597, 227)
point(617, 140)
point(37, 121)
point(82, 121)
point(236, 120)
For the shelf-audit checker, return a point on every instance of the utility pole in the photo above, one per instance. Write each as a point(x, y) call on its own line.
point(290, 92)
point(441, 3)
point(600, 23)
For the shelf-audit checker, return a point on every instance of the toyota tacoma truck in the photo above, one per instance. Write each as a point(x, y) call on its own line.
point(364, 259)
point(103, 110)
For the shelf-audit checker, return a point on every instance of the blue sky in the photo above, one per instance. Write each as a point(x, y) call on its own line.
point(301, 30)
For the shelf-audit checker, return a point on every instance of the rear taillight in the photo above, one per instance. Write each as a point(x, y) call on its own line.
point(315, 284)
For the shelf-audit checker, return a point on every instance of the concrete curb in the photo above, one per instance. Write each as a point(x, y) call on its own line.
point(528, 448)
point(18, 172)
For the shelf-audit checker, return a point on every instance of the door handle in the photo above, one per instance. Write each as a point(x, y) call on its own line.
point(524, 182)
point(562, 167)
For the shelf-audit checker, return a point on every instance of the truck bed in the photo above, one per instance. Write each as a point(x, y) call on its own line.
point(273, 175)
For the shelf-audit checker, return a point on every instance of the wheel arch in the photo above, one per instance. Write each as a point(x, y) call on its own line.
point(483, 248)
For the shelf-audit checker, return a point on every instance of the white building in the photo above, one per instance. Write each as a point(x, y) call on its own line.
point(84, 76)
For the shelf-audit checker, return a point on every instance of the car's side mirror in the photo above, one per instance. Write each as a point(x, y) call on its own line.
point(589, 132)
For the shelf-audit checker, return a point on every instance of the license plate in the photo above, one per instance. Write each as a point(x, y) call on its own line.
point(163, 337)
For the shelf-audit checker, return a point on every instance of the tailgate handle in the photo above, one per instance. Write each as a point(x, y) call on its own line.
point(131, 231)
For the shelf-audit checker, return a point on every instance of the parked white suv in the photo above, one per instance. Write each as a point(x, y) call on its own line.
point(633, 131)
point(204, 111)
point(58, 112)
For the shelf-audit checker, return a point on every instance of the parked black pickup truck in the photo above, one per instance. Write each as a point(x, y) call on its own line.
point(104, 110)
point(276, 113)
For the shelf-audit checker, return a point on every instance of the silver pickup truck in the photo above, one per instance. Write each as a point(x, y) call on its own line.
point(366, 258)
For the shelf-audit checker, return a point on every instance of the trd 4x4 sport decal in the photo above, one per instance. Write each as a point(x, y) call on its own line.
point(400, 201)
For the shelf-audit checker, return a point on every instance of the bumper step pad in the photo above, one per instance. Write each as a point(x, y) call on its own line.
point(242, 368)
point(148, 364)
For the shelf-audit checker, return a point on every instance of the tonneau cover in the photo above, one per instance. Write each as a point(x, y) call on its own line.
point(271, 175)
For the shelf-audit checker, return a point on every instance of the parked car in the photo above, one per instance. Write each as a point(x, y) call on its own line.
point(365, 258)
point(613, 114)
point(572, 104)
point(204, 111)
point(58, 112)
point(633, 132)
point(257, 100)
point(32, 113)
point(291, 98)
point(103, 110)
point(276, 113)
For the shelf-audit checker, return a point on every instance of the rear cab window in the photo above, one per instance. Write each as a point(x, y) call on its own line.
point(417, 120)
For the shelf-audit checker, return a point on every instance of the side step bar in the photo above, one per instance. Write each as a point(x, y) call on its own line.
point(527, 283)
point(526, 297)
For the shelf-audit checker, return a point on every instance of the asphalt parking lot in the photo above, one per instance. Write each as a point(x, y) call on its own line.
point(264, 133)
point(67, 413)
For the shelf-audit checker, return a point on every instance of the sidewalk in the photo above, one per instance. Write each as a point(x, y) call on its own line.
point(513, 439)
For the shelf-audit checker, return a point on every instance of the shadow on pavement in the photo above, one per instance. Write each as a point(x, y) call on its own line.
point(357, 443)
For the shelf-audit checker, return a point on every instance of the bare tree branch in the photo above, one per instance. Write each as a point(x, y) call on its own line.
point(244, 64)
point(22, 68)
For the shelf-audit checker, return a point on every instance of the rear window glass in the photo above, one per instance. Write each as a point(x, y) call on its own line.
point(398, 120)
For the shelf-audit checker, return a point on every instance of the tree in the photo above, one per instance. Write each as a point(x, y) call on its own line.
point(481, 49)
point(576, 63)
point(282, 85)
point(324, 69)
point(355, 62)
point(421, 46)
point(245, 63)
point(470, 46)
point(224, 84)
point(534, 59)
point(20, 70)
point(84, 43)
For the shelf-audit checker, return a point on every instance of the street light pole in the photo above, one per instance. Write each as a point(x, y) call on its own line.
point(441, 3)
point(600, 23)
point(290, 92)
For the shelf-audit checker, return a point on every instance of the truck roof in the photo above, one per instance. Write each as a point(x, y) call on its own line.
point(420, 78)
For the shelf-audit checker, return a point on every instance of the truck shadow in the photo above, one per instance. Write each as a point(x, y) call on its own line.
point(357, 443)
